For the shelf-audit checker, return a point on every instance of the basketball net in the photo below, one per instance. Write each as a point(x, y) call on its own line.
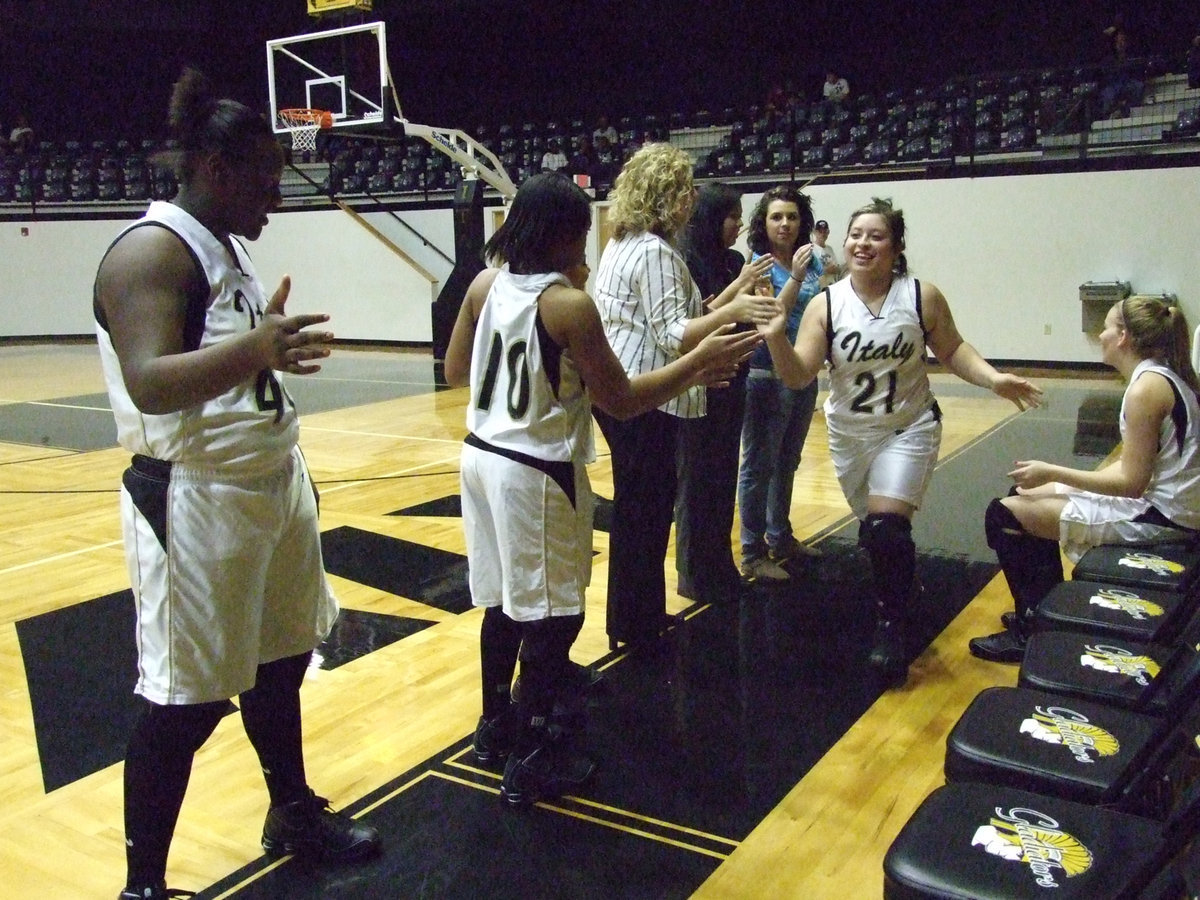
point(304, 125)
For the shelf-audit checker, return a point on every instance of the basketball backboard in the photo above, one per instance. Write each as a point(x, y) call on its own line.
point(342, 70)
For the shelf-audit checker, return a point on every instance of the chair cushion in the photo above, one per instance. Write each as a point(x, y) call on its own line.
point(1043, 742)
point(1107, 670)
point(1164, 567)
point(1133, 612)
point(984, 842)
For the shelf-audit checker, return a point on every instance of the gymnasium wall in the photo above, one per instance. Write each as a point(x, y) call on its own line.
point(1008, 252)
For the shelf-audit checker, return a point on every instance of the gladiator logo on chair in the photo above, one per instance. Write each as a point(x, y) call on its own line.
point(1127, 602)
point(1033, 838)
point(1153, 562)
point(1059, 725)
point(1141, 669)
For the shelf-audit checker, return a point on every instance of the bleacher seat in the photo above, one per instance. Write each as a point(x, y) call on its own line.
point(817, 155)
point(1016, 139)
point(913, 149)
point(782, 159)
point(844, 154)
point(879, 151)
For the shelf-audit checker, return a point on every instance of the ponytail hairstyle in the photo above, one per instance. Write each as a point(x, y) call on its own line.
point(756, 237)
point(894, 218)
point(201, 123)
point(1159, 330)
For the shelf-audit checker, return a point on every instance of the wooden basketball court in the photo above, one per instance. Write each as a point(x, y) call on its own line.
point(381, 441)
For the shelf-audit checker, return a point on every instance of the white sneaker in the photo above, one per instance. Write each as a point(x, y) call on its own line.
point(763, 569)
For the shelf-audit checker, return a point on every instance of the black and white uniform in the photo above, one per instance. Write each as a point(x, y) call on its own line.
point(1173, 494)
point(527, 502)
point(884, 425)
point(218, 512)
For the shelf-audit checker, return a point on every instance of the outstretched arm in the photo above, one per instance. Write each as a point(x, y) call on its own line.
point(1148, 402)
point(573, 323)
point(964, 360)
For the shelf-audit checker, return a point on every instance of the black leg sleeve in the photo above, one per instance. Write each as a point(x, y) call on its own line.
point(158, 765)
point(499, 644)
point(271, 716)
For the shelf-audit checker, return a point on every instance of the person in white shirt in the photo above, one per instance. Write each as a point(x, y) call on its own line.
point(554, 160)
point(652, 313)
point(835, 90)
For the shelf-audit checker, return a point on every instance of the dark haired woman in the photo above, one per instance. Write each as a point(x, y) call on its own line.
point(218, 510)
point(1151, 492)
point(777, 417)
point(709, 445)
point(884, 424)
point(528, 340)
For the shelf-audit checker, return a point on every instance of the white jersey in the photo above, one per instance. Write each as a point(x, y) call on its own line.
point(878, 379)
point(252, 427)
point(1174, 488)
point(526, 393)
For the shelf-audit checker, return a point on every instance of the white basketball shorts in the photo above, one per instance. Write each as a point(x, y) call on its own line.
point(887, 464)
point(226, 572)
point(529, 550)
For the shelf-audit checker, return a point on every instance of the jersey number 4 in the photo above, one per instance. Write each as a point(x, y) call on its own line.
point(516, 362)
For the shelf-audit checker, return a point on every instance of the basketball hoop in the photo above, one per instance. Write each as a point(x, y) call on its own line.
point(304, 125)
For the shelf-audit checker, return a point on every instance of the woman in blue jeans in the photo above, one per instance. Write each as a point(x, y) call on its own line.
point(777, 418)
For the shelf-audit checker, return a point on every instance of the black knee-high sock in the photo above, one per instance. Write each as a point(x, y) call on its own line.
point(271, 716)
point(158, 765)
point(887, 538)
point(499, 644)
point(545, 671)
point(1032, 565)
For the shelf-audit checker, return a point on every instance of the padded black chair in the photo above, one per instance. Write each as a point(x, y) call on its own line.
point(970, 841)
point(1074, 749)
point(1145, 677)
point(1166, 566)
point(1113, 610)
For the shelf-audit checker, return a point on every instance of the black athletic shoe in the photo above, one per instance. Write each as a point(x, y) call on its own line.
point(1005, 646)
point(310, 828)
point(154, 892)
point(544, 774)
point(494, 738)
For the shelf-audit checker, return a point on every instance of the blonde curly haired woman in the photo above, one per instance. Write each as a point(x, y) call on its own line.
point(652, 313)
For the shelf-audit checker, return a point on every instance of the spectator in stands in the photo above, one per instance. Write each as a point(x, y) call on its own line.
point(607, 161)
point(835, 91)
point(21, 138)
point(827, 254)
point(604, 130)
point(554, 160)
point(1123, 86)
point(583, 160)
